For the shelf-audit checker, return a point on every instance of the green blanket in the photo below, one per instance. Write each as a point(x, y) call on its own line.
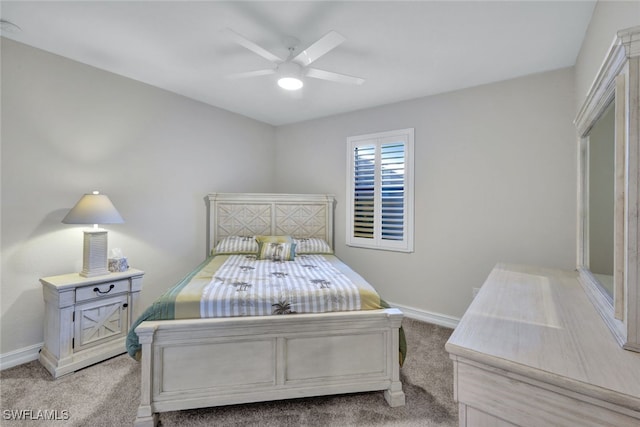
point(162, 309)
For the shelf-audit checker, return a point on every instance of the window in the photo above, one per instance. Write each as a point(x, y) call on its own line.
point(380, 191)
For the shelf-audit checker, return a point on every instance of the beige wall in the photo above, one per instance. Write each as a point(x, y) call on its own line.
point(68, 129)
point(495, 181)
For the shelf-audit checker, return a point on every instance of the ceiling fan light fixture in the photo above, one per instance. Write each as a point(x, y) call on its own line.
point(289, 76)
point(290, 83)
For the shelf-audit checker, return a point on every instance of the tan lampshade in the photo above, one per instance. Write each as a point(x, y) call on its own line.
point(93, 208)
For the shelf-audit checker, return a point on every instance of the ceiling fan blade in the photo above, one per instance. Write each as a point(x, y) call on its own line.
point(244, 42)
point(320, 47)
point(255, 73)
point(334, 77)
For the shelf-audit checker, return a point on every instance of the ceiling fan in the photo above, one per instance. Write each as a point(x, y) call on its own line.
point(291, 70)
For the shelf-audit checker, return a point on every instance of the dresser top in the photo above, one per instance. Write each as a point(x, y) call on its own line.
point(73, 280)
point(539, 323)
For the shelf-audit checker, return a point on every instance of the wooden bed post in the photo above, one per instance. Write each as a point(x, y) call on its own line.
point(394, 394)
point(146, 416)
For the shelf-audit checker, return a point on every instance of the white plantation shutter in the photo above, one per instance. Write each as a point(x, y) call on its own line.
point(392, 190)
point(364, 191)
point(380, 190)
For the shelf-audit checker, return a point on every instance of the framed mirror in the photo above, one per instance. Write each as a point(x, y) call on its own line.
point(599, 186)
point(608, 126)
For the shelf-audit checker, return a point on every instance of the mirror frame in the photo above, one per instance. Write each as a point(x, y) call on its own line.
point(617, 81)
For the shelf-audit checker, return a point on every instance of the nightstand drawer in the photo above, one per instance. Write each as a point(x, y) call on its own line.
point(100, 290)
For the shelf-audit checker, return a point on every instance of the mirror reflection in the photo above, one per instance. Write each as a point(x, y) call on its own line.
point(601, 178)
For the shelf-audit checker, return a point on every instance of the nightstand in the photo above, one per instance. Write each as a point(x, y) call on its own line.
point(87, 318)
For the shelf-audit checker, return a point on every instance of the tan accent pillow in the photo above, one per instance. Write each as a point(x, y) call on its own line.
point(276, 251)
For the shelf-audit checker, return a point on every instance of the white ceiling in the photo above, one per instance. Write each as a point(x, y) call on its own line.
point(404, 50)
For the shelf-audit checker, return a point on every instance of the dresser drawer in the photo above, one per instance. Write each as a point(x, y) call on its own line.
point(100, 290)
point(503, 396)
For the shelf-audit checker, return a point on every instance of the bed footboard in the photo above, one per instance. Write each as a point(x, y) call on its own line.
point(198, 363)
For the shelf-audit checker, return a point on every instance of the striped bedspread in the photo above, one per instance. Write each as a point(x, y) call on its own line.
point(240, 285)
point(244, 286)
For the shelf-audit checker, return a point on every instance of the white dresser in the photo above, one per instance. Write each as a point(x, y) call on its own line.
point(87, 318)
point(531, 350)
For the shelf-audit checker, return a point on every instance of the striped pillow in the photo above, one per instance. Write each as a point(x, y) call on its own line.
point(312, 245)
point(237, 245)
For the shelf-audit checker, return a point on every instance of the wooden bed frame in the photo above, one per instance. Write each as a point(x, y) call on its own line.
point(197, 363)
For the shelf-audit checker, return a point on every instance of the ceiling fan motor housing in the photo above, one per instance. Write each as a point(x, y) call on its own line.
point(289, 69)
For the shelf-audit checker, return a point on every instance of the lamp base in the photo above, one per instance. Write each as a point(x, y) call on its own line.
point(94, 260)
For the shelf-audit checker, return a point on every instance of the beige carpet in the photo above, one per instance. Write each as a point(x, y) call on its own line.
point(108, 393)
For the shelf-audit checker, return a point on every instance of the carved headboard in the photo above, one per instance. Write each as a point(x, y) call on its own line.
point(248, 214)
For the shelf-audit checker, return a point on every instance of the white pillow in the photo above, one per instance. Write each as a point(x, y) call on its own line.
point(312, 245)
point(237, 244)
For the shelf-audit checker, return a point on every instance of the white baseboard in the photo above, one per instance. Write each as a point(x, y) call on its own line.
point(20, 356)
point(427, 316)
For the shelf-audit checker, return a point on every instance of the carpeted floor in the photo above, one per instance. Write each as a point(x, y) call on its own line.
point(108, 393)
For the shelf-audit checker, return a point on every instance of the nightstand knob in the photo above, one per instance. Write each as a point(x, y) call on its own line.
point(96, 289)
point(125, 305)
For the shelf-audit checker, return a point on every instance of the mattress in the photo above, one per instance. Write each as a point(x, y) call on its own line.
point(242, 285)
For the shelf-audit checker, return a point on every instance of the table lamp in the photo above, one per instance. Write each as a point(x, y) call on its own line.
point(94, 209)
